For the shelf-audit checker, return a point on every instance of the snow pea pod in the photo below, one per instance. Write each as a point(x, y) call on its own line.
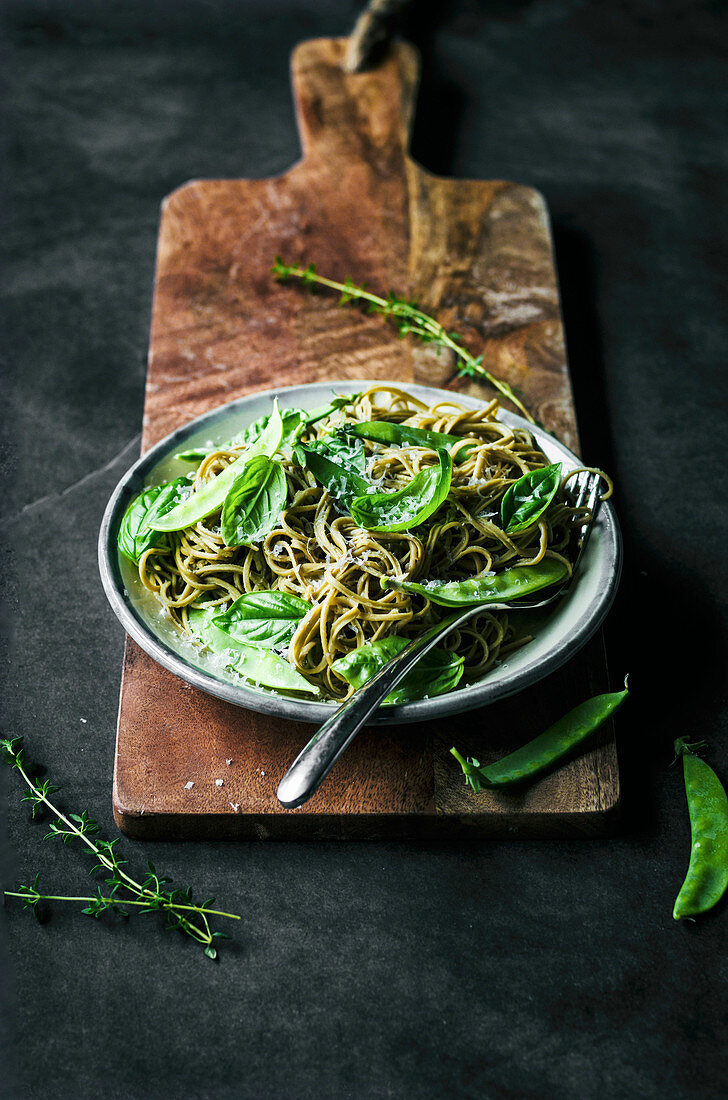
point(211, 496)
point(520, 580)
point(254, 663)
point(539, 755)
point(383, 431)
point(707, 877)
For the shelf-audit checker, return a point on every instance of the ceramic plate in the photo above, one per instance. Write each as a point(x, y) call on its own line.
point(558, 632)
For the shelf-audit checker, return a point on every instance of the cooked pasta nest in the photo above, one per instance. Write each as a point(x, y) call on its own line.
point(320, 554)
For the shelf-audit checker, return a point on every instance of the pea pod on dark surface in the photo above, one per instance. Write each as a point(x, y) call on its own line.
point(707, 876)
point(539, 755)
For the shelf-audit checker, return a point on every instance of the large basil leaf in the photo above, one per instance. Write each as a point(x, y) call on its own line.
point(268, 619)
point(254, 502)
point(434, 674)
point(260, 666)
point(520, 580)
point(210, 497)
point(340, 481)
point(135, 534)
point(529, 497)
point(408, 507)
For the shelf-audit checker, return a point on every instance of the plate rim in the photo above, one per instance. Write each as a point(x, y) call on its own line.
point(459, 701)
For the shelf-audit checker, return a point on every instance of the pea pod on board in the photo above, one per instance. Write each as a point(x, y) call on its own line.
point(539, 755)
point(707, 876)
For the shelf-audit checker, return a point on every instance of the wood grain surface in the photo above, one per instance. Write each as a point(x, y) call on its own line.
point(479, 255)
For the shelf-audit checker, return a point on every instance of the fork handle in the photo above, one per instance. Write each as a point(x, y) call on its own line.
point(316, 760)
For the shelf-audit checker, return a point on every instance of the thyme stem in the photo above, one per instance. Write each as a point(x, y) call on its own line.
point(409, 318)
point(148, 896)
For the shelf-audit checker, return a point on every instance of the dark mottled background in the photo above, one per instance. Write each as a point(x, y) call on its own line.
point(397, 969)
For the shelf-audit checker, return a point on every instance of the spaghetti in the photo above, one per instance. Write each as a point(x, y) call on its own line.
point(317, 552)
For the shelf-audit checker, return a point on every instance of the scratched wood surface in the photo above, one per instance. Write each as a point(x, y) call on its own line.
point(479, 255)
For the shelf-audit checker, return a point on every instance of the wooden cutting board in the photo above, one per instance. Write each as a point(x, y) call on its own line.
point(478, 254)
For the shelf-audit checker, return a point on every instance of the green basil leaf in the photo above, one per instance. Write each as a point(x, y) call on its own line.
point(261, 666)
point(135, 534)
point(520, 580)
point(254, 502)
point(434, 674)
point(263, 618)
point(529, 497)
point(408, 507)
point(342, 450)
point(211, 496)
point(341, 482)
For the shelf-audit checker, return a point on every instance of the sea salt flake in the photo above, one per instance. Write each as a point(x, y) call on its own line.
point(218, 782)
point(229, 762)
point(236, 807)
point(189, 786)
point(84, 720)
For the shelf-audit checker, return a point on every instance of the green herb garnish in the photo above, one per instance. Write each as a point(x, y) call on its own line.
point(152, 895)
point(409, 318)
point(254, 502)
point(406, 508)
point(527, 499)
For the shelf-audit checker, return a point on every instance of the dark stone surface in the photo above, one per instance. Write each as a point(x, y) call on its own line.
point(372, 970)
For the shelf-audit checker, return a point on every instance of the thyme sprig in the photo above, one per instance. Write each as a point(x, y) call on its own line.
point(151, 895)
point(410, 321)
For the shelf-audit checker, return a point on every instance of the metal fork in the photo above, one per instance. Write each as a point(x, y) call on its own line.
point(316, 760)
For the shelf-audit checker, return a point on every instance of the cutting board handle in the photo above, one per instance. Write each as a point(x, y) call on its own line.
point(353, 116)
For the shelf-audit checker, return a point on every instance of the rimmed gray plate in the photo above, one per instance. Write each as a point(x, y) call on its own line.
point(558, 633)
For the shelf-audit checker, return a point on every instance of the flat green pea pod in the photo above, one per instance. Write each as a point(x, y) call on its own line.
point(382, 431)
point(539, 755)
point(511, 584)
point(259, 665)
point(707, 877)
